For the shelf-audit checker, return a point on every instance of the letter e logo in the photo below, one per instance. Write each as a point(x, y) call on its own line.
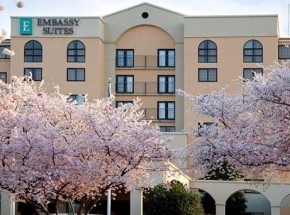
point(25, 26)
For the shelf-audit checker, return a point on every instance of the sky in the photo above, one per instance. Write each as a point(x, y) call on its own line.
point(186, 7)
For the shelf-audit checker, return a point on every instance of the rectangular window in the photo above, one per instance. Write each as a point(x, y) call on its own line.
point(202, 128)
point(166, 110)
point(283, 52)
point(80, 99)
point(35, 73)
point(207, 75)
point(125, 84)
point(121, 103)
point(125, 58)
point(3, 76)
point(167, 128)
point(166, 58)
point(249, 73)
point(3, 56)
point(166, 84)
point(75, 74)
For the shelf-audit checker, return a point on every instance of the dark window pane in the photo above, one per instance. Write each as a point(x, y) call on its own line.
point(207, 75)
point(125, 84)
point(284, 52)
point(33, 51)
point(35, 73)
point(253, 51)
point(125, 58)
point(76, 74)
point(76, 51)
point(166, 110)
point(166, 58)
point(207, 52)
point(3, 77)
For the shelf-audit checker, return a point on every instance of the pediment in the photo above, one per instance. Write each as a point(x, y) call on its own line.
point(142, 6)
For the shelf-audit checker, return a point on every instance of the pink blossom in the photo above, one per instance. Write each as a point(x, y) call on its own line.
point(1, 7)
point(2, 35)
point(54, 149)
point(6, 51)
point(253, 125)
point(20, 4)
point(4, 32)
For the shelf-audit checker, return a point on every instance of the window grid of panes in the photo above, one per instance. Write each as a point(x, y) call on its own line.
point(207, 75)
point(125, 84)
point(76, 52)
point(125, 58)
point(34, 73)
point(166, 84)
point(207, 52)
point(253, 52)
point(283, 52)
point(3, 76)
point(166, 110)
point(166, 58)
point(167, 128)
point(75, 74)
point(33, 51)
point(4, 56)
point(202, 127)
point(78, 98)
point(121, 103)
point(249, 73)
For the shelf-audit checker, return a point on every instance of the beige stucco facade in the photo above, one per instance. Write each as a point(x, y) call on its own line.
point(147, 36)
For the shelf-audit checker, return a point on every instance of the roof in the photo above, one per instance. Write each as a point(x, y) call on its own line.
point(143, 4)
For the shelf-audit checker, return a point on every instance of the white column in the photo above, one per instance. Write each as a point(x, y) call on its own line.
point(109, 200)
point(220, 208)
point(136, 202)
point(275, 210)
point(7, 204)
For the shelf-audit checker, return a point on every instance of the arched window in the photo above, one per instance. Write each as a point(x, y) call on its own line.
point(253, 52)
point(207, 52)
point(76, 51)
point(33, 51)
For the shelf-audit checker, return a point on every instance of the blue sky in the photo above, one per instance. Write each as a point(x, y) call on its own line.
point(187, 7)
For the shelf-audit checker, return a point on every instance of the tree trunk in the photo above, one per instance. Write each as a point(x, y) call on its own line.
point(90, 206)
point(56, 205)
point(39, 206)
point(73, 208)
point(82, 206)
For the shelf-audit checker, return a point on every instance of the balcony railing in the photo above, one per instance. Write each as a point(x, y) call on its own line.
point(159, 114)
point(146, 88)
point(145, 62)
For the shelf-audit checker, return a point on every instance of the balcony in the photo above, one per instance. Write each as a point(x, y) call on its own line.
point(146, 88)
point(145, 62)
point(163, 114)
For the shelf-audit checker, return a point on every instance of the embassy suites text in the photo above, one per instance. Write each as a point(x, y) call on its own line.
point(58, 26)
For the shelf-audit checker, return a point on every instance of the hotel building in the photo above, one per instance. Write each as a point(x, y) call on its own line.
point(147, 52)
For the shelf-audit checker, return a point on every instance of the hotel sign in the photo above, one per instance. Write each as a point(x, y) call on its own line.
point(58, 26)
point(25, 26)
point(50, 26)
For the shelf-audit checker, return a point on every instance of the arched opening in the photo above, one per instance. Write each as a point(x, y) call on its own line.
point(248, 202)
point(285, 205)
point(208, 202)
point(145, 46)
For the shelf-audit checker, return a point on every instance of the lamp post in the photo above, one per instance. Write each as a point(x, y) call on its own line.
point(109, 194)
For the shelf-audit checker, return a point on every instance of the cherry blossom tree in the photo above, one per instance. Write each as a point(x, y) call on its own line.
point(53, 150)
point(3, 33)
point(250, 128)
